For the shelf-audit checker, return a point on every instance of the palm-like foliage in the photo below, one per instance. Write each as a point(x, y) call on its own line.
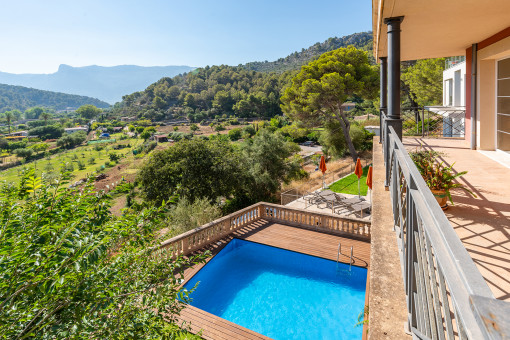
point(436, 174)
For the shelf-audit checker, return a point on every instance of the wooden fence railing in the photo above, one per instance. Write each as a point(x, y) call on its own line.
point(200, 237)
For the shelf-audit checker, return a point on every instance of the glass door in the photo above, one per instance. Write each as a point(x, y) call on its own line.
point(503, 106)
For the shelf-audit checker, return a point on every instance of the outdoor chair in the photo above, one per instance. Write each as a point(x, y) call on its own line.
point(313, 198)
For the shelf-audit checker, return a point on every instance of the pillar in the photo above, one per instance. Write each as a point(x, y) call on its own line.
point(393, 113)
point(383, 93)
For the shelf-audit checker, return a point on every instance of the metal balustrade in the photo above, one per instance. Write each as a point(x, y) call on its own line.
point(433, 121)
point(447, 297)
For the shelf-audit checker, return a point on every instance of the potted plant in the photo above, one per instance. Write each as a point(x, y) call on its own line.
point(439, 178)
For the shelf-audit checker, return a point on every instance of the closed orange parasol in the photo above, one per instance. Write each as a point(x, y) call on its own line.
point(322, 165)
point(358, 170)
point(369, 178)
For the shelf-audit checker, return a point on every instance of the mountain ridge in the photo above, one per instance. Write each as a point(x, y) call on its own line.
point(107, 83)
point(14, 97)
point(293, 61)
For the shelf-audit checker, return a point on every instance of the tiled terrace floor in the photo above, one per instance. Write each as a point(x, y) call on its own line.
point(482, 223)
point(281, 236)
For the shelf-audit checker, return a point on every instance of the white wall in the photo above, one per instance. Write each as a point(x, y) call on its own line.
point(457, 75)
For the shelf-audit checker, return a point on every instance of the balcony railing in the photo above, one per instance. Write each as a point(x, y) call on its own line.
point(447, 297)
point(433, 121)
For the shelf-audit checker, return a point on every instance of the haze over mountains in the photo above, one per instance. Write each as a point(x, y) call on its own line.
point(14, 97)
point(108, 84)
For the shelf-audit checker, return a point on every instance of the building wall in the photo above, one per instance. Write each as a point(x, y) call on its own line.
point(486, 106)
point(457, 75)
point(486, 109)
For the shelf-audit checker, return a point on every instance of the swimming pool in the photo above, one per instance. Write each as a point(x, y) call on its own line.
point(280, 293)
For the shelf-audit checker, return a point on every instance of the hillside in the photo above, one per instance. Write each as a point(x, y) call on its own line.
point(106, 83)
point(295, 60)
point(21, 98)
point(208, 92)
point(251, 90)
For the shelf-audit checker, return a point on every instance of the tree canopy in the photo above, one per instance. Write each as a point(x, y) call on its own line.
point(207, 93)
point(425, 81)
point(214, 168)
point(191, 168)
point(318, 91)
point(88, 111)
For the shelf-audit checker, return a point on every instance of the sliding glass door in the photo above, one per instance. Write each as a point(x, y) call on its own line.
point(503, 106)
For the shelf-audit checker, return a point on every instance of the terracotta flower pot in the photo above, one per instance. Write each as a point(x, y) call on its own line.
point(441, 198)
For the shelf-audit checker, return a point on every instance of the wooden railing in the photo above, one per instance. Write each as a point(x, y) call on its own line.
point(214, 231)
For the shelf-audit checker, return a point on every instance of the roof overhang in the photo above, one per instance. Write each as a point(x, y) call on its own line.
point(434, 28)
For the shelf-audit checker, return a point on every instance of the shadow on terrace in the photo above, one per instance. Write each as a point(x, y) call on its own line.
point(482, 223)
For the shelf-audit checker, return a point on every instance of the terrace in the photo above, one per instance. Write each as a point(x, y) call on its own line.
point(454, 264)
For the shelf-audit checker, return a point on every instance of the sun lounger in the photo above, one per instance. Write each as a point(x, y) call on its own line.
point(359, 208)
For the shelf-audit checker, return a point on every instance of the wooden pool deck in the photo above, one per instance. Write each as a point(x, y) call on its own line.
point(279, 235)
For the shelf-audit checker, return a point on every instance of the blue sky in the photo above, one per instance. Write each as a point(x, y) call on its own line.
point(39, 35)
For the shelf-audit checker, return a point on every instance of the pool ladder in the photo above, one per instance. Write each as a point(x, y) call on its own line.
point(340, 252)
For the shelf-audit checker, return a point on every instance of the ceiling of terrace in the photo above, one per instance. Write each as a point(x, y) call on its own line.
point(438, 28)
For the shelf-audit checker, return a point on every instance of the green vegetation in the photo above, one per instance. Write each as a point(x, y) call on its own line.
point(294, 61)
point(22, 98)
point(208, 93)
point(423, 81)
point(215, 168)
point(319, 90)
point(88, 111)
point(72, 270)
point(186, 215)
point(437, 175)
point(71, 140)
point(349, 184)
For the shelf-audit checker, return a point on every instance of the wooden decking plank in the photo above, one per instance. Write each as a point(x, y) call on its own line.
point(215, 327)
point(223, 324)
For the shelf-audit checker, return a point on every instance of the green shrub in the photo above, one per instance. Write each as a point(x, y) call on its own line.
point(114, 157)
point(235, 134)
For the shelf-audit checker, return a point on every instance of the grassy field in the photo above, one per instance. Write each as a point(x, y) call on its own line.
point(349, 184)
point(90, 158)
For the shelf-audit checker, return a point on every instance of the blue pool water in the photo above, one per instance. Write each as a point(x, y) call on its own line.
point(280, 293)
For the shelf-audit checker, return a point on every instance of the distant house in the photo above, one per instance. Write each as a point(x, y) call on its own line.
point(117, 129)
point(127, 119)
point(348, 106)
point(18, 134)
point(160, 138)
point(76, 129)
